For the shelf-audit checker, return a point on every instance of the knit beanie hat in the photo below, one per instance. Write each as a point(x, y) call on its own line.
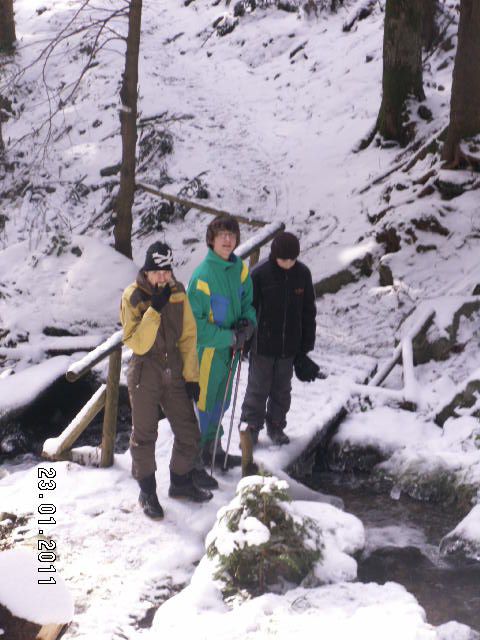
point(285, 246)
point(159, 257)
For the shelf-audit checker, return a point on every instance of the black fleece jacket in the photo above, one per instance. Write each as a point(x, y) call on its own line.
point(285, 304)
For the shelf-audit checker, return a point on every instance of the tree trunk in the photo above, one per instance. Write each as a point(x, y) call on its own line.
point(465, 100)
point(7, 25)
point(402, 66)
point(128, 126)
point(430, 24)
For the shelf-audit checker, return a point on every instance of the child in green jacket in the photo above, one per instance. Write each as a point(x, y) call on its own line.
point(220, 294)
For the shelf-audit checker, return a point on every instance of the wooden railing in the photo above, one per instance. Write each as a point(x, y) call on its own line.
point(106, 397)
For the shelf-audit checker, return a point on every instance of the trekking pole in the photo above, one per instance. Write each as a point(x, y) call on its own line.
point(233, 410)
point(222, 410)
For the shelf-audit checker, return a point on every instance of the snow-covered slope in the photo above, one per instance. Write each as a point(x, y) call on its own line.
point(265, 119)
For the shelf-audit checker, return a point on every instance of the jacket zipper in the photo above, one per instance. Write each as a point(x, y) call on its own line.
point(284, 328)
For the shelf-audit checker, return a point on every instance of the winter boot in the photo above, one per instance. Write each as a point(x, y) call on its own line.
point(207, 455)
point(148, 498)
point(277, 435)
point(254, 431)
point(203, 479)
point(183, 486)
point(249, 468)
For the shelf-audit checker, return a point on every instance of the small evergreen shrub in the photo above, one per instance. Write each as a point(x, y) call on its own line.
point(258, 544)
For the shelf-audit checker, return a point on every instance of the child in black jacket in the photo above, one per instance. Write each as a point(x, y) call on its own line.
point(284, 301)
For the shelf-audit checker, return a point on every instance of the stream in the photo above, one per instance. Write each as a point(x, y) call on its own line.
point(402, 538)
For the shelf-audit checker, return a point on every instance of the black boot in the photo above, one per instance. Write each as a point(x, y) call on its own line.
point(148, 498)
point(203, 479)
point(184, 487)
point(207, 455)
point(277, 435)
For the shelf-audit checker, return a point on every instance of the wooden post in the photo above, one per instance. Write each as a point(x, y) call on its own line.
point(50, 632)
point(254, 257)
point(55, 446)
point(111, 408)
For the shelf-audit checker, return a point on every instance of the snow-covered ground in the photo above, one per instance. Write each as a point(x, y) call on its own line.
point(269, 129)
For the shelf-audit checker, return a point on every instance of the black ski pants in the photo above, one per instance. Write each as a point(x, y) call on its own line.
point(268, 394)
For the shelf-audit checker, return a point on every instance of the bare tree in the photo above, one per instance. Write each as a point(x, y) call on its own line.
point(128, 124)
point(465, 100)
point(430, 29)
point(88, 30)
point(7, 25)
point(402, 66)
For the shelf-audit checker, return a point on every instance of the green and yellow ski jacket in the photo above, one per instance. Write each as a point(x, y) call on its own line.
point(220, 293)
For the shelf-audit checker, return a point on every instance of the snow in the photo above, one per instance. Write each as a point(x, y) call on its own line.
point(467, 534)
point(343, 611)
point(343, 535)
point(271, 134)
point(99, 352)
point(66, 291)
point(22, 388)
point(21, 594)
point(386, 429)
point(409, 441)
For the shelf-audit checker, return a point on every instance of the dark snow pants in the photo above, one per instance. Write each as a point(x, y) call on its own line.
point(152, 393)
point(268, 392)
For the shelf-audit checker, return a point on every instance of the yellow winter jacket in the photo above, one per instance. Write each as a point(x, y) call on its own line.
point(170, 337)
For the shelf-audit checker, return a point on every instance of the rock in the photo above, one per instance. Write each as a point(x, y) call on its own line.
point(425, 113)
point(465, 399)
point(225, 24)
point(441, 345)
point(287, 5)
point(334, 282)
point(462, 542)
point(431, 224)
point(352, 458)
point(390, 239)
point(385, 275)
point(452, 184)
point(440, 484)
point(244, 6)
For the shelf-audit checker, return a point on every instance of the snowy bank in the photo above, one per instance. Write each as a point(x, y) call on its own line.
point(343, 611)
point(464, 540)
point(21, 594)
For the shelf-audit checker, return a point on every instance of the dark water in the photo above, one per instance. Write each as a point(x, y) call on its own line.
point(402, 538)
point(51, 412)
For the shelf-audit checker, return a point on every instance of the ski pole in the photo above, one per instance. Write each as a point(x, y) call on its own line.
point(222, 410)
point(233, 410)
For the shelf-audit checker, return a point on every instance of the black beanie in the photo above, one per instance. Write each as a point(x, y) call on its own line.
point(285, 246)
point(159, 257)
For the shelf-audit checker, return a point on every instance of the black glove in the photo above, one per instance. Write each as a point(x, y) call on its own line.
point(247, 325)
point(193, 390)
point(306, 369)
point(160, 297)
point(242, 333)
